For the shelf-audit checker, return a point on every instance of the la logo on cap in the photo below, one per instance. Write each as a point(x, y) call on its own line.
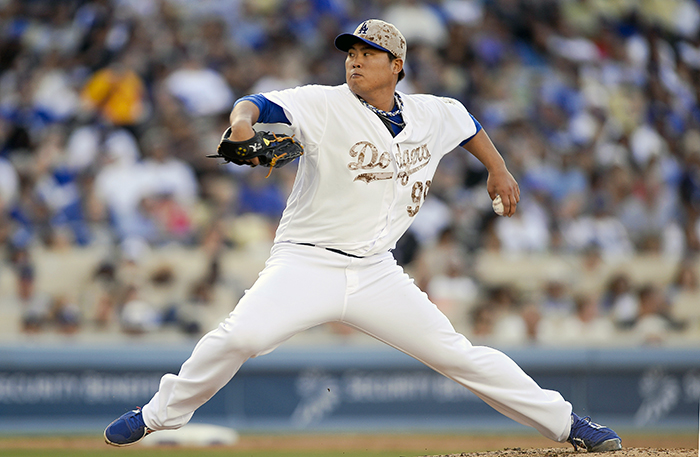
point(363, 29)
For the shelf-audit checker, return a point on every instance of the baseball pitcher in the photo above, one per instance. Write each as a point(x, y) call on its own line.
point(367, 162)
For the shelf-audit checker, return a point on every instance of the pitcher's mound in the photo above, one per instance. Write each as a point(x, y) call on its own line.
point(563, 452)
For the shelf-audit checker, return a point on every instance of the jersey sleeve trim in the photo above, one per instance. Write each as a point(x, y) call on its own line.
point(478, 127)
point(270, 112)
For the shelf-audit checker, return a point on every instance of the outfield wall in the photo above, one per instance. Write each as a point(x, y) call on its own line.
point(81, 388)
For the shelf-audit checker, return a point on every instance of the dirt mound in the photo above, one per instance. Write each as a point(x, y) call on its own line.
point(562, 452)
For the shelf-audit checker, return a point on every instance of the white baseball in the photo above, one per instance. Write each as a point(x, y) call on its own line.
point(497, 205)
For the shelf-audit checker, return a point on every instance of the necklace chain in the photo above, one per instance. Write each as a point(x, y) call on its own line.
point(396, 112)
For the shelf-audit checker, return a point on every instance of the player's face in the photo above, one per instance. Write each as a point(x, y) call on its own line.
point(368, 69)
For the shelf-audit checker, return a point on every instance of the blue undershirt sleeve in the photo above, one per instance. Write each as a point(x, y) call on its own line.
point(270, 113)
point(478, 127)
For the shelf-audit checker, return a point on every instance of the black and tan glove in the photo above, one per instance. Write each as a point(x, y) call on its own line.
point(272, 150)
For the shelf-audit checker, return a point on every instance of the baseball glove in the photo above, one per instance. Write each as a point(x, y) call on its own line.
point(272, 151)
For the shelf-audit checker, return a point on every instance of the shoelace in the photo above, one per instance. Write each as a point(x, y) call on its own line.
point(134, 423)
point(579, 441)
point(583, 422)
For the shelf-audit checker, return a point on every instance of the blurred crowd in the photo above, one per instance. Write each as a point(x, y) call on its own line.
point(108, 109)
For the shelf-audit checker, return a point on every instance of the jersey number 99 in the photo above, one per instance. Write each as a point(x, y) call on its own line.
point(419, 192)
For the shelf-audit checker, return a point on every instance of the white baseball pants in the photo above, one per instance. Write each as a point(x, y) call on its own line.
point(303, 286)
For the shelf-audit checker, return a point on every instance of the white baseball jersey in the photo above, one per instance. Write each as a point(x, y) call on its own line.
point(358, 188)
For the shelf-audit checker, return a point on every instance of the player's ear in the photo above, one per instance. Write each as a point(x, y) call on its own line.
point(397, 66)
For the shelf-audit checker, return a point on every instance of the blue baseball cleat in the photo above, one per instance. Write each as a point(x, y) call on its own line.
point(591, 436)
point(128, 429)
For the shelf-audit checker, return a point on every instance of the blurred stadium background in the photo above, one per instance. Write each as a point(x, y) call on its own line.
point(122, 244)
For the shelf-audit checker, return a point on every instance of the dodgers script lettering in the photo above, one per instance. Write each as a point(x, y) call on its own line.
point(367, 157)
